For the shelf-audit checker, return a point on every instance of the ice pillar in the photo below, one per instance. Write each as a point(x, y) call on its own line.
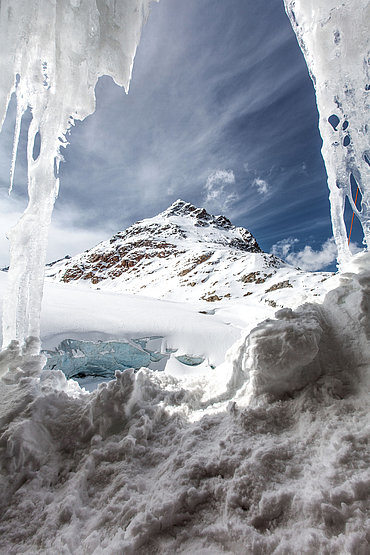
point(334, 38)
point(52, 54)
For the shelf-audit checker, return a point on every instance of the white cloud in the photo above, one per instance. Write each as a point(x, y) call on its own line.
point(355, 248)
point(71, 240)
point(261, 185)
point(307, 258)
point(219, 191)
point(282, 248)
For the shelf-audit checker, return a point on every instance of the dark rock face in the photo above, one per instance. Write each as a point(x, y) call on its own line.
point(112, 263)
point(203, 219)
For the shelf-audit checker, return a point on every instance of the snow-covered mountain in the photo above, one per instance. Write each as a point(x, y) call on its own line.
point(184, 253)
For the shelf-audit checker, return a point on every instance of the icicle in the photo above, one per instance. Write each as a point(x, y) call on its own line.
point(17, 131)
point(334, 38)
point(58, 50)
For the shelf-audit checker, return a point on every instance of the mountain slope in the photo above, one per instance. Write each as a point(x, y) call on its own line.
point(184, 253)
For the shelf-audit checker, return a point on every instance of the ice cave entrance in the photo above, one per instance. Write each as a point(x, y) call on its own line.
point(52, 54)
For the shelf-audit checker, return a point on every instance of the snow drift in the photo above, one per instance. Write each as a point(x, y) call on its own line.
point(283, 355)
point(146, 463)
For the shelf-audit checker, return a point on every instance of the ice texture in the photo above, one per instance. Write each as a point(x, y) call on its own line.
point(52, 54)
point(86, 358)
point(334, 38)
point(83, 360)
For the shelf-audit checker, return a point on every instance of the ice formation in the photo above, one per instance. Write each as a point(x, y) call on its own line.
point(79, 359)
point(334, 38)
point(52, 54)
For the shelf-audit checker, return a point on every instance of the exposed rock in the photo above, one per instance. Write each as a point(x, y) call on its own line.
point(280, 285)
point(255, 277)
point(211, 298)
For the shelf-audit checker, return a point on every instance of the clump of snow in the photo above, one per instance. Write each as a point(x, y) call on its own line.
point(334, 38)
point(147, 463)
point(52, 54)
point(298, 347)
point(279, 356)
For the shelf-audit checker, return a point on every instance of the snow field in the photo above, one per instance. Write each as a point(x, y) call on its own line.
point(148, 464)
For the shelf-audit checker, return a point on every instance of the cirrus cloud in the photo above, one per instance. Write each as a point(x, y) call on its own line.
point(261, 185)
point(219, 190)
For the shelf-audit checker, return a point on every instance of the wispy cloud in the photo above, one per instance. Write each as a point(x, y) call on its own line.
point(219, 192)
point(307, 258)
point(261, 185)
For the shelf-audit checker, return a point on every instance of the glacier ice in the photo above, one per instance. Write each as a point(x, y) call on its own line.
point(52, 54)
point(334, 38)
point(83, 360)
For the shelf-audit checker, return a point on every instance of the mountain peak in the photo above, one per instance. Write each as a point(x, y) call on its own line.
point(201, 216)
point(182, 249)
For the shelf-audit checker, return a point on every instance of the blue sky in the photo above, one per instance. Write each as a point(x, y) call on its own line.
point(221, 113)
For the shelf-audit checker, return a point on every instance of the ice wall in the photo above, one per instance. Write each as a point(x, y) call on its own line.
point(334, 38)
point(52, 54)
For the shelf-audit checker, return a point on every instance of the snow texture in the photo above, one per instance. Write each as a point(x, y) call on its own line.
point(52, 54)
point(334, 38)
point(275, 461)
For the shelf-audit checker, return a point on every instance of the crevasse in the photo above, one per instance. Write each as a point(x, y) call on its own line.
point(334, 38)
point(52, 54)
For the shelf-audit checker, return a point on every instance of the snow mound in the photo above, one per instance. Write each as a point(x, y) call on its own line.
point(283, 355)
point(280, 356)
